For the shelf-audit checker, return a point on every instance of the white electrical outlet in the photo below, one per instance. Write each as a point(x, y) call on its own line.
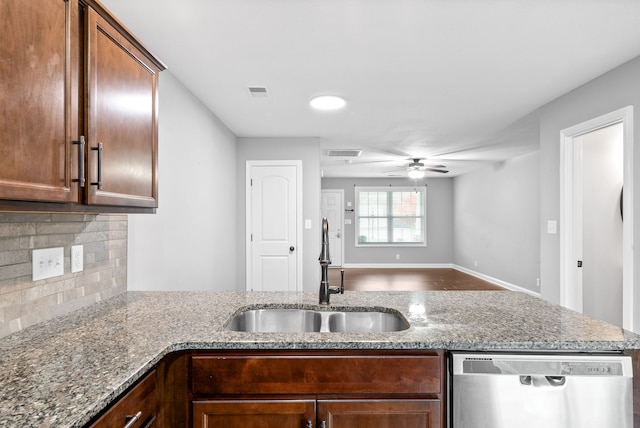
point(47, 263)
point(77, 258)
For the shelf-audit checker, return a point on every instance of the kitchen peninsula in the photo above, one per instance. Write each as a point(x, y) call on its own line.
point(65, 372)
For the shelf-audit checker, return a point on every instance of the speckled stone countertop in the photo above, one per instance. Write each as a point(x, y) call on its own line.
point(63, 372)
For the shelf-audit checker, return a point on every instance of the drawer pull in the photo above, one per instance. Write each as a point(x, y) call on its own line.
point(133, 419)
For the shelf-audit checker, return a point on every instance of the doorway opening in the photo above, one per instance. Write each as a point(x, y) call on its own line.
point(596, 245)
point(332, 207)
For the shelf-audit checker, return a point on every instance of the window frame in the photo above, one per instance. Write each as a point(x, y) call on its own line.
point(390, 190)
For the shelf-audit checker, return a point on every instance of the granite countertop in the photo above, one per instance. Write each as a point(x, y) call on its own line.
point(63, 372)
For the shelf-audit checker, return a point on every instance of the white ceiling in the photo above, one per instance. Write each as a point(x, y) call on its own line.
point(446, 80)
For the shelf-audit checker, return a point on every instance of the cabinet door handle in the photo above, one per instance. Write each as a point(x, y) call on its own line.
point(309, 424)
point(99, 150)
point(133, 419)
point(80, 178)
point(323, 424)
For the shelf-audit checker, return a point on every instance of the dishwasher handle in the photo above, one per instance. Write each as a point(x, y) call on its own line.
point(528, 380)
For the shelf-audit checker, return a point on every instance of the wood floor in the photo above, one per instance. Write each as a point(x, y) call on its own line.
point(408, 280)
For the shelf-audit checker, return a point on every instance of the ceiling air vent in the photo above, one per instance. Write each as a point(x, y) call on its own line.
point(350, 153)
point(258, 91)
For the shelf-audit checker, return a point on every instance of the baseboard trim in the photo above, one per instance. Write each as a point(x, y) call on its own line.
point(495, 281)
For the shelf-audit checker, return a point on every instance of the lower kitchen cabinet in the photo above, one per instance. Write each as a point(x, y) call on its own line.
point(379, 413)
point(138, 408)
point(329, 414)
point(317, 389)
point(254, 413)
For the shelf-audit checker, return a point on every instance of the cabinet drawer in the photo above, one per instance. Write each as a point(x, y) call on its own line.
point(321, 374)
point(139, 400)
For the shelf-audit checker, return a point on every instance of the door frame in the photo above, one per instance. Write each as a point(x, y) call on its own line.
point(341, 192)
point(571, 198)
point(250, 164)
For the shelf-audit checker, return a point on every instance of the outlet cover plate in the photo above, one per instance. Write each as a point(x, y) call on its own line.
point(77, 258)
point(47, 263)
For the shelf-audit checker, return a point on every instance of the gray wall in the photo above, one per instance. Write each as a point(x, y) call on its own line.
point(614, 90)
point(439, 247)
point(496, 227)
point(190, 243)
point(308, 151)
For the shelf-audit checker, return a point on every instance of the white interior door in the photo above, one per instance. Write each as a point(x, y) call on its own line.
point(573, 226)
point(601, 182)
point(332, 207)
point(273, 223)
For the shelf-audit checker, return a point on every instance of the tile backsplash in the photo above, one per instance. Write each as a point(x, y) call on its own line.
point(24, 302)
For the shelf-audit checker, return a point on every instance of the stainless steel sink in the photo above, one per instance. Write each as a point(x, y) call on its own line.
point(366, 322)
point(275, 321)
point(297, 320)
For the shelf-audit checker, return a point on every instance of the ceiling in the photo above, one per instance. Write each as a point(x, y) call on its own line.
point(452, 81)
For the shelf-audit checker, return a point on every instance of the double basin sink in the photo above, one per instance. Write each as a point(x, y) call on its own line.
point(300, 320)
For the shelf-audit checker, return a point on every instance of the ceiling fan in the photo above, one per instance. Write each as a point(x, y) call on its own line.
point(416, 169)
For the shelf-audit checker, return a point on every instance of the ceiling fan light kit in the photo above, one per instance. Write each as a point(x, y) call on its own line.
point(415, 173)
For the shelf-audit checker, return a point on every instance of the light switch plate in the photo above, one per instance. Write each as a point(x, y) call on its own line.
point(77, 258)
point(552, 227)
point(47, 263)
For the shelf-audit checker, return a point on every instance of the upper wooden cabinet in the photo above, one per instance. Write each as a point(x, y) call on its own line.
point(121, 126)
point(79, 103)
point(39, 65)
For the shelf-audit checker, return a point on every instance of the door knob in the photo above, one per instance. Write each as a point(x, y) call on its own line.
point(292, 248)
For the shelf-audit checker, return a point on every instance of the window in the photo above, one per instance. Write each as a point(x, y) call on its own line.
point(390, 216)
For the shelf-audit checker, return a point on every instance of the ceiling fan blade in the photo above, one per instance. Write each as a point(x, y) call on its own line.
point(443, 171)
point(372, 161)
point(392, 152)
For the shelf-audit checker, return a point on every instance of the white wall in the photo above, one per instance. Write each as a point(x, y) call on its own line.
point(190, 243)
point(308, 151)
point(612, 91)
point(439, 249)
point(496, 221)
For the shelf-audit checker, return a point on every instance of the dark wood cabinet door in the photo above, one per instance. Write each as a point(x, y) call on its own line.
point(254, 414)
point(380, 413)
point(139, 407)
point(39, 69)
point(121, 107)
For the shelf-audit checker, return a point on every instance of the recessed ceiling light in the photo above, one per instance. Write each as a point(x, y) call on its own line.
point(328, 102)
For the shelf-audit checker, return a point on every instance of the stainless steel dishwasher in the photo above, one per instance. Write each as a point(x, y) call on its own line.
point(550, 391)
